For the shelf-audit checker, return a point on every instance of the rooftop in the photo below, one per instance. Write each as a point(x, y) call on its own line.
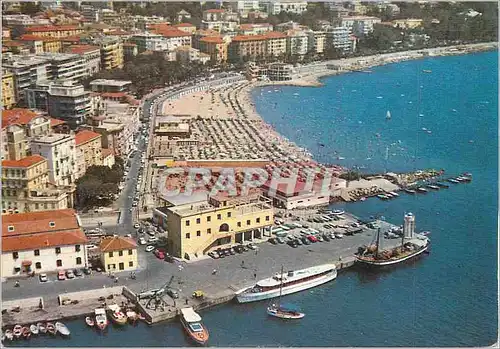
point(39, 222)
point(212, 39)
point(107, 152)
point(43, 240)
point(117, 243)
point(185, 25)
point(19, 116)
point(85, 136)
point(79, 49)
point(242, 38)
point(53, 138)
point(108, 82)
point(24, 162)
point(49, 28)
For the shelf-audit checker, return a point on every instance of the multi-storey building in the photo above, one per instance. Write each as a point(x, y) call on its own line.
point(91, 56)
point(199, 34)
point(65, 66)
point(118, 254)
point(111, 52)
point(251, 47)
point(150, 42)
point(275, 44)
point(88, 151)
point(316, 41)
point(186, 27)
point(243, 7)
point(42, 242)
point(359, 25)
point(130, 50)
point(25, 187)
point(219, 20)
point(22, 20)
point(107, 85)
point(216, 47)
point(41, 44)
point(297, 43)
point(8, 90)
point(186, 54)
point(276, 7)
point(89, 13)
point(280, 72)
point(339, 38)
point(174, 37)
point(59, 150)
point(54, 31)
point(196, 228)
point(108, 157)
point(255, 29)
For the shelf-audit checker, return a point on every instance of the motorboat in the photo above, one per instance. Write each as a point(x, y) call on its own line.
point(131, 316)
point(433, 186)
point(410, 191)
point(89, 321)
point(117, 316)
point(382, 196)
point(62, 329)
point(394, 194)
point(101, 320)
point(454, 181)
point(34, 329)
point(442, 185)
point(26, 332)
point(17, 331)
point(51, 328)
point(9, 335)
point(422, 190)
point(293, 281)
point(41, 327)
point(338, 212)
point(193, 326)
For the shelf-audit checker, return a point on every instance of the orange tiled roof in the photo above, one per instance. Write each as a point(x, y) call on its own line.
point(39, 222)
point(50, 28)
point(215, 10)
point(43, 240)
point(56, 122)
point(114, 94)
point(79, 49)
point(73, 38)
point(171, 32)
point(117, 243)
point(275, 35)
point(212, 39)
point(24, 162)
point(12, 43)
point(85, 136)
point(242, 38)
point(107, 152)
point(18, 116)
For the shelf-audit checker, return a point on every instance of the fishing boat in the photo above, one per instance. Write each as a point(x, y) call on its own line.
point(422, 190)
point(17, 331)
point(51, 328)
point(410, 191)
point(442, 185)
point(284, 311)
point(89, 321)
point(62, 329)
point(117, 316)
point(41, 327)
point(412, 245)
point(293, 281)
point(433, 186)
point(9, 335)
point(101, 320)
point(454, 181)
point(34, 329)
point(131, 316)
point(388, 115)
point(26, 332)
point(191, 322)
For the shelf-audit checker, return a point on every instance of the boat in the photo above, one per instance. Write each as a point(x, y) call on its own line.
point(62, 329)
point(425, 233)
point(433, 186)
point(388, 115)
point(9, 335)
point(394, 194)
point(191, 322)
point(422, 190)
point(338, 212)
point(26, 332)
point(101, 320)
point(89, 321)
point(117, 316)
point(293, 281)
point(41, 327)
point(411, 246)
point(131, 316)
point(451, 180)
point(17, 331)
point(383, 197)
point(34, 329)
point(427, 71)
point(442, 185)
point(410, 191)
point(284, 311)
point(51, 328)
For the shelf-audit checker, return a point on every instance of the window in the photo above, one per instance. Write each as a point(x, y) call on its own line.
point(15, 255)
point(58, 250)
point(38, 265)
point(198, 220)
point(121, 266)
point(258, 220)
point(130, 264)
point(10, 228)
point(187, 223)
point(219, 216)
point(198, 233)
point(59, 263)
point(209, 218)
point(267, 218)
point(77, 248)
point(78, 260)
point(188, 236)
point(52, 224)
point(129, 252)
point(229, 215)
point(120, 253)
point(111, 254)
point(239, 224)
point(248, 222)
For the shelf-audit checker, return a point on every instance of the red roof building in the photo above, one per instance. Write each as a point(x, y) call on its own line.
point(85, 136)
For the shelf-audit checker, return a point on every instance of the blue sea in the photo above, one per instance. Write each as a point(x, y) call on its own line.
point(448, 298)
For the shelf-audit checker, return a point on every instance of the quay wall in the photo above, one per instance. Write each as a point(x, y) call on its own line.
point(22, 303)
point(91, 294)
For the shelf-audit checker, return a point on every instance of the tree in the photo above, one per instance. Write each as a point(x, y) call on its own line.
point(30, 8)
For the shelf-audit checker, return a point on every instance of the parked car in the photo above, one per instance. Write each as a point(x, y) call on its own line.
point(280, 240)
point(173, 293)
point(326, 237)
point(273, 241)
point(87, 271)
point(61, 275)
point(152, 240)
point(43, 277)
point(77, 272)
point(142, 241)
point(292, 243)
point(319, 238)
point(298, 242)
point(239, 249)
point(150, 248)
point(305, 240)
point(312, 238)
point(231, 250)
point(213, 254)
point(159, 254)
point(252, 246)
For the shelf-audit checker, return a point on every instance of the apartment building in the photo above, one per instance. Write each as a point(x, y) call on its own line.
point(215, 47)
point(275, 44)
point(339, 38)
point(196, 228)
point(255, 29)
point(276, 7)
point(108, 157)
point(118, 253)
point(8, 90)
point(316, 41)
point(54, 31)
point(22, 20)
point(359, 25)
point(130, 50)
point(219, 20)
point(186, 27)
point(88, 151)
point(65, 66)
point(42, 242)
point(174, 37)
point(199, 34)
point(40, 44)
point(91, 56)
point(247, 47)
point(59, 150)
point(107, 85)
point(186, 54)
point(243, 7)
point(111, 52)
point(150, 42)
point(297, 42)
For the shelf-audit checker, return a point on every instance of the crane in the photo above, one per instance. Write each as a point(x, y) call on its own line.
point(157, 295)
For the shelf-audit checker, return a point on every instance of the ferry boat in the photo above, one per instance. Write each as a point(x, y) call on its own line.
point(293, 281)
point(191, 322)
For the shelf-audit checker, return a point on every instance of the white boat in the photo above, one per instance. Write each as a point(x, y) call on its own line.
point(284, 311)
point(62, 329)
point(293, 281)
point(388, 115)
point(34, 329)
point(394, 194)
point(101, 320)
point(9, 335)
point(338, 212)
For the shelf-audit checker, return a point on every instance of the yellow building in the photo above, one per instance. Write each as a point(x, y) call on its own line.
point(276, 44)
point(118, 254)
point(214, 46)
point(39, 44)
point(8, 91)
point(111, 53)
point(88, 151)
point(247, 47)
point(196, 228)
point(54, 31)
point(408, 23)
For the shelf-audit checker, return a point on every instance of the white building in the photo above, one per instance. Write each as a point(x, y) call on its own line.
point(276, 7)
point(60, 151)
point(316, 41)
point(42, 242)
point(65, 66)
point(91, 57)
point(359, 25)
point(339, 38)
point(187, 54)
point(150, 42)
point(297, 42)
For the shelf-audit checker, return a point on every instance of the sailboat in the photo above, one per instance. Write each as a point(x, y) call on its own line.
point(284, 311)
point(388, 115)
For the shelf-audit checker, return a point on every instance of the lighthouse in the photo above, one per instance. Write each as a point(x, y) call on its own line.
point(409, 225)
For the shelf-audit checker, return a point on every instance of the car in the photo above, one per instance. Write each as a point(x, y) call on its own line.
point(142, 241)
point(244, 247)
point(151, 233)
point(238, 249)
point(312, 238)
point(305, 240)
point(43, 277)
point(252, 246)
point(150, 248)
point(173, 293)
point(273, 241)
point(159, 254)
point(326, 237)
point(213, 254)
point(319, 238)
point(87, 271)
point(77, 272)
point(298, 242)
point(61, 275)
point(152, 240)
point(231, 250)
point(280, 240)
point(128, 235)
point(291, 243)
point(137, 225)
point(70, 274)
point(134, 204)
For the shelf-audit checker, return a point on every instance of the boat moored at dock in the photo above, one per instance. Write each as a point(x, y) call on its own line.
point(117, 316)
point(101, 321)
point(293, 281)
point(34, 329)
point(409, 191)
point(62, 329)
point(193, 326)
point(17, 331)
point(51, 328)
point(42, 328)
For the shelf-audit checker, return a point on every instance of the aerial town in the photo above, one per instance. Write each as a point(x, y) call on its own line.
point(139, 181)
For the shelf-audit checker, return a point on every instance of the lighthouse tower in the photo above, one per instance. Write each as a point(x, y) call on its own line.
point(409, 225)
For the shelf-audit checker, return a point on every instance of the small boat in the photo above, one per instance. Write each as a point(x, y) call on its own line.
point(410, 191)
point(425, 233)
point(17, 331)
point(338, 212)
point(379, 97)
point(340, 158)
point(433, 186)
point(394, 194)
point(442, 185)
point(427, 71)
point(451, 180)
point(382, 196)
point(117, 316)
point(191, 322)
point(9, 335)
point(422, 190)
point(41, 327)
point(362, 198)
point(62, 329)
point(131, 316)
point(388, 115)
point(26, 332)
point(89, 321)
point(284, 311)
point(34, 329)
point(51, 328)
point(101, 320)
